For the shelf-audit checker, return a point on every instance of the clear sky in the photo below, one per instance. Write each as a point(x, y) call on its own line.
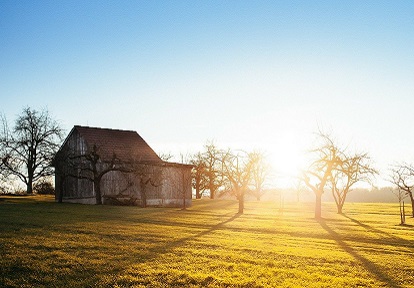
point(246, 74)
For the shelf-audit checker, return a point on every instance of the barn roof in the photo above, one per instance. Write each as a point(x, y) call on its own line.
point(125, 144)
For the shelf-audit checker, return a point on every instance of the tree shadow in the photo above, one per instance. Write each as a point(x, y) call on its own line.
point(366, 226)
point(370, 266)
point(404, 242)
point(370, 227)
point(213, 228)
point(162, 249)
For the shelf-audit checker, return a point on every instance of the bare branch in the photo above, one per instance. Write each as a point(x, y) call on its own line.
point(27, 150)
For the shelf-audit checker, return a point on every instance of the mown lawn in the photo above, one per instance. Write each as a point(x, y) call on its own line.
point(45, 244)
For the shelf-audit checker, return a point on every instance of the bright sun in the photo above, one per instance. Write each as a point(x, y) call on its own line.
point(287, 158)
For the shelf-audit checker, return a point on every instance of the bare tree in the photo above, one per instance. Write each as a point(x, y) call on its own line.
point(211, 164)
point(237, 172)
point(349, 171)
point(27, 150)
point(185, 179)
point(198, 174)
point(260, 174)
point(3, 178)
point(316, 176)
point(165, 156)
point(402, 176)
point(93, 167)
point(148, 174)
point(299, 188)
point(400, 194)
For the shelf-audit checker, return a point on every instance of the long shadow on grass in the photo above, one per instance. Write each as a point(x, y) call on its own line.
point(214, 204)
point(370, 266)
point(396, 240)
point(156, 251)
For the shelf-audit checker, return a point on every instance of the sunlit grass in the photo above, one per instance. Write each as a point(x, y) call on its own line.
point(45, 244)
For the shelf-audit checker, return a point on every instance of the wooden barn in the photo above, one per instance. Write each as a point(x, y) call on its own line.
point(107, 166)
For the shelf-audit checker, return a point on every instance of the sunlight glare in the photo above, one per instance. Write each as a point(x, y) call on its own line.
point(287, 158)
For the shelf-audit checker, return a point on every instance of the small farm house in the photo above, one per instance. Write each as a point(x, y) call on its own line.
point(107, 166)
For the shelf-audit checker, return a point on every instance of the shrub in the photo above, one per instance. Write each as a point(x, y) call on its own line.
point(44, 188)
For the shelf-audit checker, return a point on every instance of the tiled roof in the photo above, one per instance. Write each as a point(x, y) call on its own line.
point(127, 145)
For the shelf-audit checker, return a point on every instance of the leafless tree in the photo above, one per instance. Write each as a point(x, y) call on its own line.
point(326, 156)
point(27, 150)
point(299, 188)
point(198, 173)
point(209, 172)
point(237, 172)
point(185, 179)
point(402, 176)
point(349, 171)
point(334, 168)
point(149, 174)
point(260, 174)
point(400, 194)
point(166, 156)
point(3, 178)
point(93, 167)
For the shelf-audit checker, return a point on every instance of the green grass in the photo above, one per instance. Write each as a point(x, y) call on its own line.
point(45, 244)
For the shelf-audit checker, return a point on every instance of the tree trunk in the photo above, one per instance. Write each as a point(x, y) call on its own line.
point(341, 199)
point(241, 203)
point(402, 213)
point(98, 195)
point(143, 199)
point(198, 196)
point(412, 204)
point(339, 206)
point(212, 194)
point(318, 206)
point(29, 187)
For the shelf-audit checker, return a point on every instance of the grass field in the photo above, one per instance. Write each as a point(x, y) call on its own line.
point(45, 244)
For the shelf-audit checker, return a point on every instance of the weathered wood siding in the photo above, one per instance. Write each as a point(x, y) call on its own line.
point(173, 185)
point(176, 186)
point(74, 189)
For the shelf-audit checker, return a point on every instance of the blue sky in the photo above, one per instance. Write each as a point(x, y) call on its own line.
point(246, 74)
